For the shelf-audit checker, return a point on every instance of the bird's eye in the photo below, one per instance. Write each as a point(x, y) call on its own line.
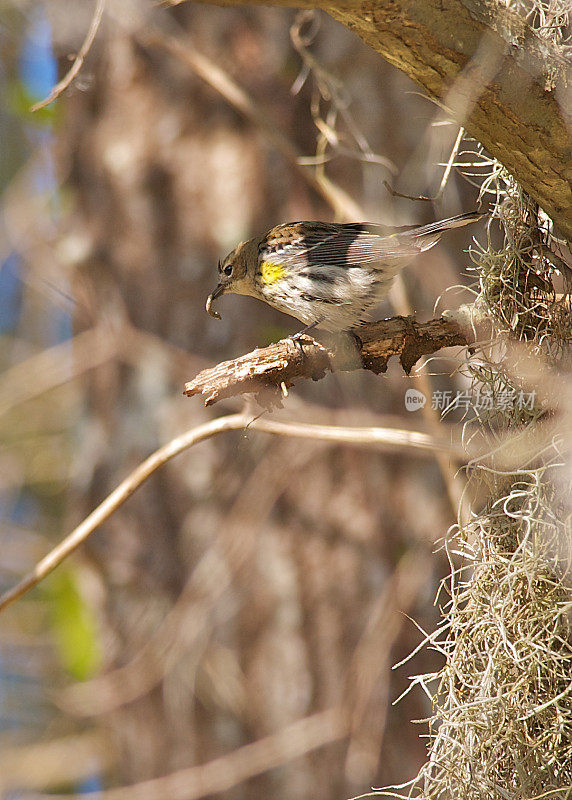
point(228, 269)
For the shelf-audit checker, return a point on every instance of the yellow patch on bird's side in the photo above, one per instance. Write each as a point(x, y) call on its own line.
point(270, 273)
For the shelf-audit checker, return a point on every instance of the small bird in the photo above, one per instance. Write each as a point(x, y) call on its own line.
point(326, 274)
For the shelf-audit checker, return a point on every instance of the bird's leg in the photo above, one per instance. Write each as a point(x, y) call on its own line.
point(295, 337)
point(304, 330)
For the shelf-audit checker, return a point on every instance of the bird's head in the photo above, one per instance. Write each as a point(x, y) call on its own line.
point(236, 273)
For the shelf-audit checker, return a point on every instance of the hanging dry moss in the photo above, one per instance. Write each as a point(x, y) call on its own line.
point(502, 723)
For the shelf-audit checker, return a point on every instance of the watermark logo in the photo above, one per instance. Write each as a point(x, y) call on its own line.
point(480, 400)
point(503, 400)
point(414, 400)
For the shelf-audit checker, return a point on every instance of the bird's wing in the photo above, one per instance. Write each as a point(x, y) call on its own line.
point(304, 245)
point(316, 244)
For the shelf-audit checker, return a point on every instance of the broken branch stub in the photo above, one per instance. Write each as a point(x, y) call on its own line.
point(368, 347)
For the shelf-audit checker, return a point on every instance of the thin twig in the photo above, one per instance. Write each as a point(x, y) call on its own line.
point(79, 59)
point(360, 436)
point(450, 162)
point(117, 498)
point(446, 174)
point(330, 89)
point(384, 437)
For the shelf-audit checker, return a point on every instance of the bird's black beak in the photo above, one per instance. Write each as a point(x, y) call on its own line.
point(211, 298)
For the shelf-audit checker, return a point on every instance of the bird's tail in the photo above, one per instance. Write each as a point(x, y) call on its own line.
point(446, 224)
point(428, 235)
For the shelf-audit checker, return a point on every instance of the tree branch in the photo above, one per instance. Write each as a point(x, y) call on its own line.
point(369, 347)
point(370, 437)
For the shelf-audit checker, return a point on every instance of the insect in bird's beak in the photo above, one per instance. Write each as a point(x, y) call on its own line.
point(211, 298)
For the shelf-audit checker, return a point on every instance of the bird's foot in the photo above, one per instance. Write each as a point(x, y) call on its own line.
point(297, 337)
